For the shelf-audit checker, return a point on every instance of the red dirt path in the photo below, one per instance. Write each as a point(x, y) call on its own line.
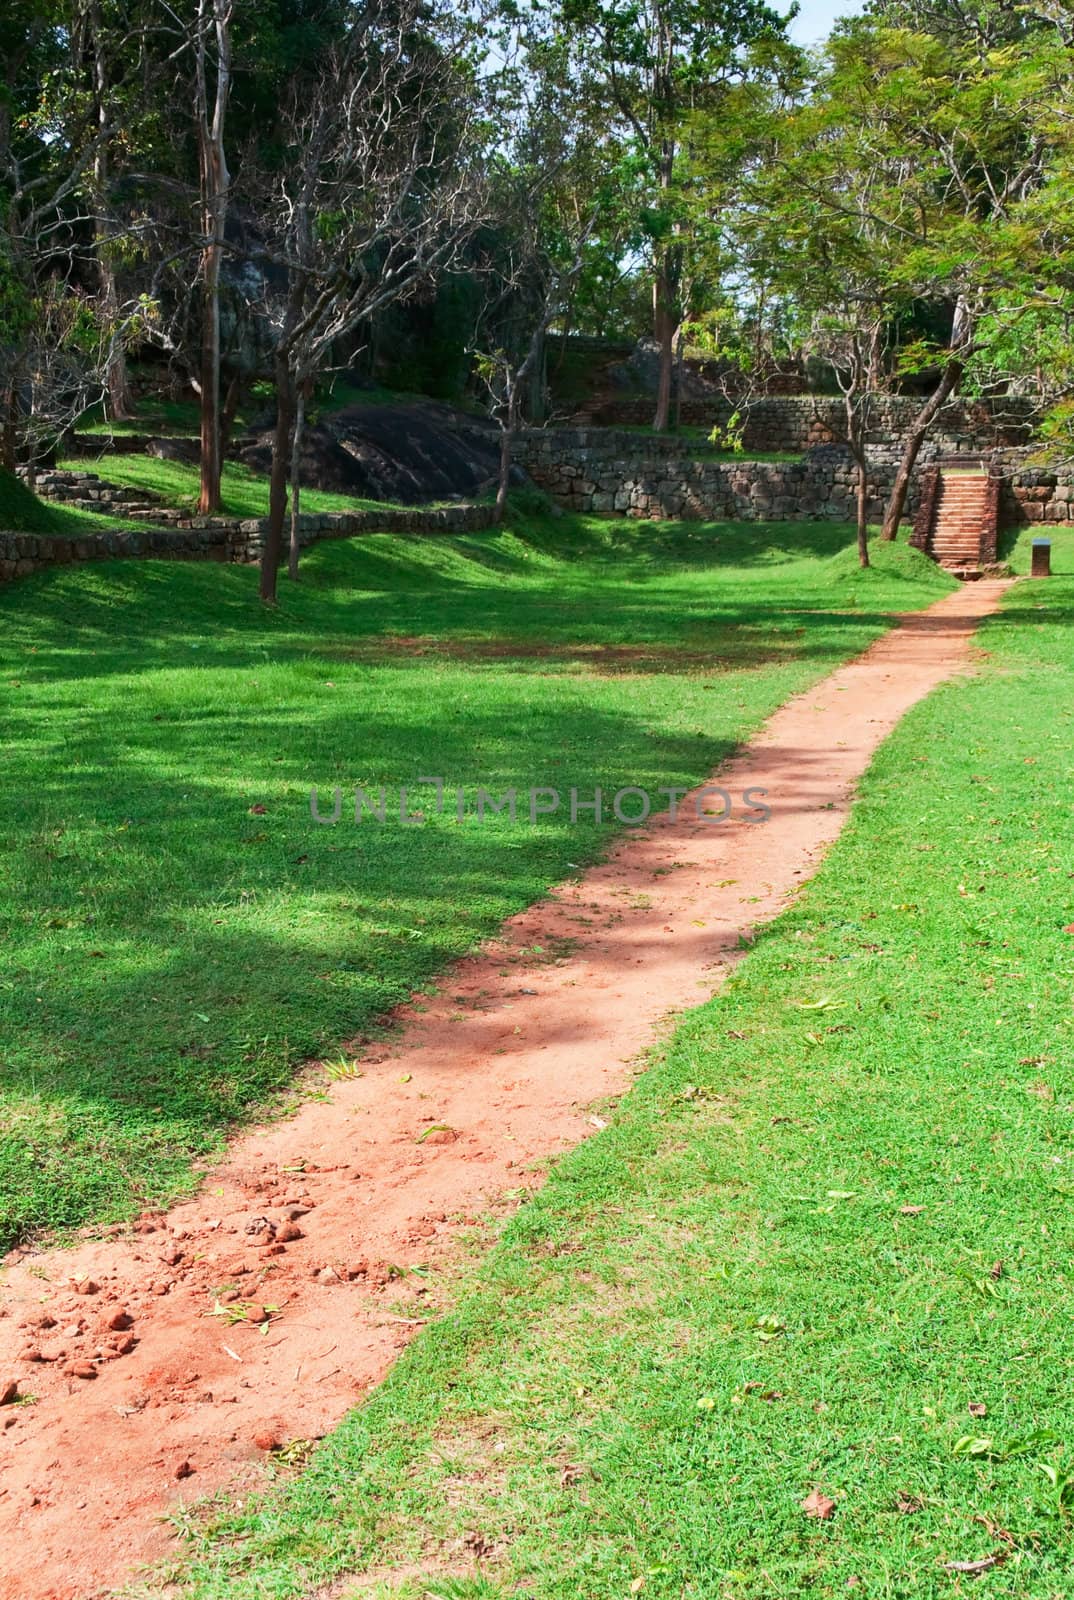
point(146, 1399)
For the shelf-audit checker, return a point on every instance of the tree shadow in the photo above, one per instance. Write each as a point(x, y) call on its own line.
point(180, 932)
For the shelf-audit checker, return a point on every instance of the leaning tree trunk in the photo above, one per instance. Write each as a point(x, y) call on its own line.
point(272, 549)
point(919, 428)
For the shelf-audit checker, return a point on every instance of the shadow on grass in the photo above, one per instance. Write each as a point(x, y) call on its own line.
point(174, 954)
point(179, 933)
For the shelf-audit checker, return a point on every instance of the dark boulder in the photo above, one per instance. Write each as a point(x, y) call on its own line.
point(408, 454)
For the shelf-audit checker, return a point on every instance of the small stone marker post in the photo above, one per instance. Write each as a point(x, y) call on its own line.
point(1042, 559)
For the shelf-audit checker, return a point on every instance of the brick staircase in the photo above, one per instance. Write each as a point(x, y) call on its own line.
point(961, 511)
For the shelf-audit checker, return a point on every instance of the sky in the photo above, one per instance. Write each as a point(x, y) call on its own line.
point(815, 18)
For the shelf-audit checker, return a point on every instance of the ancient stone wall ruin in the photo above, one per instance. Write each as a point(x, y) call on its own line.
point(644, 475)
point(793, 423)
point(592, 470)
point(225, 538)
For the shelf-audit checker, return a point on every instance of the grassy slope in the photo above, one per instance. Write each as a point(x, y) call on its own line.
point(22, 512)
point(170, 953)
point(245, 493)
point(725, 1301)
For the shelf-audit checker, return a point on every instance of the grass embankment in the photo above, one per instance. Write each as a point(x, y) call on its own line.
point(824, 1246)
point(178, 934)
point(23, 512)
point(244, 493)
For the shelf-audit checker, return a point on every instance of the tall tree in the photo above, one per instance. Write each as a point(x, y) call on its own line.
point(375, 196)
point(212, 89)
point(100, 45)
point(930, 153)
point(56, 336)
point(665, 67)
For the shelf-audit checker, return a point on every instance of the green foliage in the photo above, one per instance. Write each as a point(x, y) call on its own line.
point(729, 434)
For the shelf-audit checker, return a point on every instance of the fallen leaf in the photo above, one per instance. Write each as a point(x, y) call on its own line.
point(818, 1505)
point(910, 1211)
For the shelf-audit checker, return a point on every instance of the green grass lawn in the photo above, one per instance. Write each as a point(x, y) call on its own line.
point(244, 493)
point(178, 934)
point(825, 1245)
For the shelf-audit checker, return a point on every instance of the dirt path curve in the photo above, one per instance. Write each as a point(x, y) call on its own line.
point(145, 1398)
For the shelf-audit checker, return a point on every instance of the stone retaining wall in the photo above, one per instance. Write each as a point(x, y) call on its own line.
point(793, 423)
point(592, 470)
point(226, 538)
point(644, 475)
point(1038, 494)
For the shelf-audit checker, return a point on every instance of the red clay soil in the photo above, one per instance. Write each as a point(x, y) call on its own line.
point(151, 1392)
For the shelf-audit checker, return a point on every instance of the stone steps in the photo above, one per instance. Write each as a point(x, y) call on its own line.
point(85, 491)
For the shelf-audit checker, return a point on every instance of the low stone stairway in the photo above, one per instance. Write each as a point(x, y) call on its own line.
point(85, 491)
point(959, 519)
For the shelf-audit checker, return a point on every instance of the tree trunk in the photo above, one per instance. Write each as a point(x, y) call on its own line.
point(296, 487)
point(862, 508)
point(117, 382)
point(214, 199)
point(919, 428)
point(507, 451)
point(9, 431)
point(227, 421)
point(538, 383)
point(211, 466)
point(281, 460)
point(664, 321)
point(117, 379)
point(680, 345)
